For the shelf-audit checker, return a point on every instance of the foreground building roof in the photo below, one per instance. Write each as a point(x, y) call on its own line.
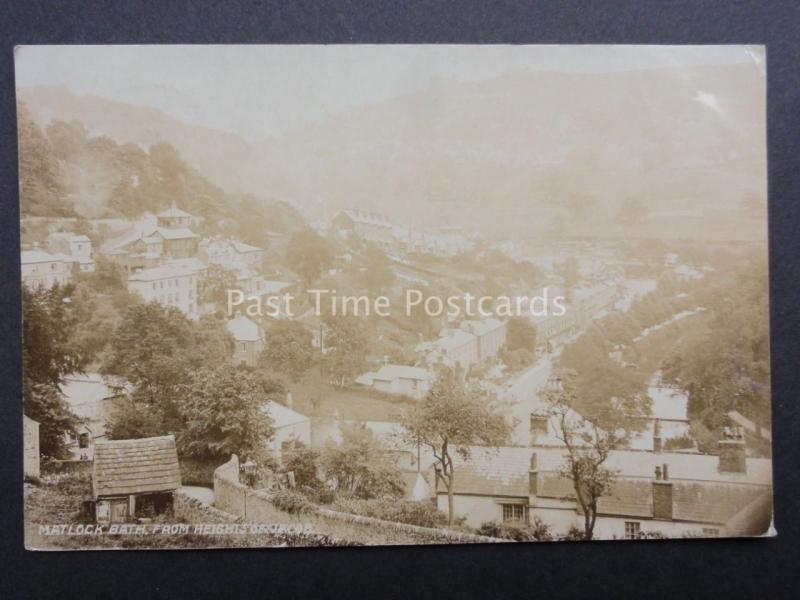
point(140, 466)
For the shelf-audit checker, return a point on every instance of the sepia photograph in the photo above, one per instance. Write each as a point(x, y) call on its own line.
point(371, 295)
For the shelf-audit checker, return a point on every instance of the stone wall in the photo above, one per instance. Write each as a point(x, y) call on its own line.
point(192, 510)
point(255, 506)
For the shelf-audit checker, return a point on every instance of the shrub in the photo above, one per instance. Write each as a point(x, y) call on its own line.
point(679, 443)
point(292, 502)
point(574, 534)
point(318, 494)
point(422, 514)
point(303, 462)
point(537, 531)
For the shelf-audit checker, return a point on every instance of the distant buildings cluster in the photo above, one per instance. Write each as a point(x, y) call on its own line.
point(395, 239)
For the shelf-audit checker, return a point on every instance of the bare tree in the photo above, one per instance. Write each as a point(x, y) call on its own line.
point(588, 442)
point(452, 417)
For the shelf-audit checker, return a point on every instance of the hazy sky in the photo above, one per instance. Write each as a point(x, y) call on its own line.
point(258, 91)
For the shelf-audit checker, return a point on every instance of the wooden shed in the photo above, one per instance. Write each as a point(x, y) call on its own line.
point(133, 478)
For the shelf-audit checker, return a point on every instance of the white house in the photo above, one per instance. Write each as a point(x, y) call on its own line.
point(453, 348)
point(92, 399)
point(490, 334)
point(43, 269)
point(174, 218)
point(77, 247)
point(249, 340)
point(291, 428)
point(169, 286)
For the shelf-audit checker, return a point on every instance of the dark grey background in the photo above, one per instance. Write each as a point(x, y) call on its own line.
point(711, 568)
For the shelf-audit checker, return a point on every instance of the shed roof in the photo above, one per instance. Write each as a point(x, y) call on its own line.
point(140, 466)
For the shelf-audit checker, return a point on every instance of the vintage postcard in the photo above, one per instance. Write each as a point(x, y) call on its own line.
point(373, 295)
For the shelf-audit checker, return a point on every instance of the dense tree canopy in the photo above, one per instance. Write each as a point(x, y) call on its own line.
point(157, 349)
point(41, 188)
point(287, 350)
point(222, 410)
point(49, 323)
point(360, 466)
point(453, 416)
point(309, 255)
point(346, 348)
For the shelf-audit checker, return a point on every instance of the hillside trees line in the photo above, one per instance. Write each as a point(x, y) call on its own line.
point(725, 366)
point(66, 172)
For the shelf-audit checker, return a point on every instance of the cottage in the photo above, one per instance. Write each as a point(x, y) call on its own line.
point(177, 243)
point(671, 493)
point(231, 253)
point(291, 428)
point(134, 478)
point(175, 218)
point(248, 338)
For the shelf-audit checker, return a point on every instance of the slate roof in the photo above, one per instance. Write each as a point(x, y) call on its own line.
point(40, 256)
point(283, 416)
point(242, 248)
point(368, 218)
point(243, 329)
point(482, 327)
point(178, 233)
point(173, 211)
point(392, 372)
point(158, 273)
point(141, 466)
point(700, 492)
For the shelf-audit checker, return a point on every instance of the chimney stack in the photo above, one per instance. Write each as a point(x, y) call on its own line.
point(662, 493)
point(289, 400)
point(533, 479)
point(657, 442)
point(732, 451)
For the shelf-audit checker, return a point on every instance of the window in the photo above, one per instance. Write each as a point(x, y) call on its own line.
point(538, 425)
point(632, 530)
point(710, 532)
point(83, 440)
point(514, 512)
